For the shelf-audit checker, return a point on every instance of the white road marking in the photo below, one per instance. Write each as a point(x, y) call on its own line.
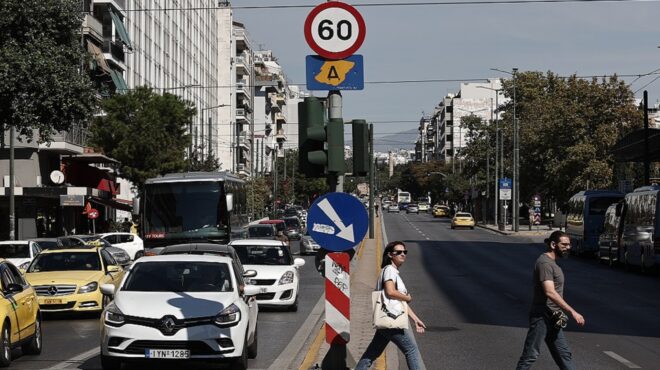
point(76, 360)
point(622, 360)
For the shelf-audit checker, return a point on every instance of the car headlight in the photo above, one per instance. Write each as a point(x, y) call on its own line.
point(287, 278)
point(113, 315)
point(24, 265)
point(91, 287)
point(228, 317)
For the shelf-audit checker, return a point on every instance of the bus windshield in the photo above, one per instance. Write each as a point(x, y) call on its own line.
point(185, 210)
point(598, 206)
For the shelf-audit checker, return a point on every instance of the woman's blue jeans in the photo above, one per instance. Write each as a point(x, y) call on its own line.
point(403, 339)
point(541, 329)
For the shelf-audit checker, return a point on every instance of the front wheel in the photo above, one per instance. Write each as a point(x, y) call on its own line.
point(241, 363)
point(110, 363)
point(252, 349)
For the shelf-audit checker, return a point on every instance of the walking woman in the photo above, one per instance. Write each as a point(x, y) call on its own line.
point(396, 293)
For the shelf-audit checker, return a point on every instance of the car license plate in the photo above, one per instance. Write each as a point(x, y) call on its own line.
point(52, 301)
point(167, 353)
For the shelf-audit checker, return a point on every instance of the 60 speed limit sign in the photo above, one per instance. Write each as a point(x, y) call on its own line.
point(335, 30)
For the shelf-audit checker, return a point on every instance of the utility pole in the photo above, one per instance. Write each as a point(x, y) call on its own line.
point(516, 162)
point(336, 182)
point(371, 181)
point(12, 209)
point(647, 163)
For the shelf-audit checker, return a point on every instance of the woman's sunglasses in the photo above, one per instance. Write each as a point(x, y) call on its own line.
point(398, 253)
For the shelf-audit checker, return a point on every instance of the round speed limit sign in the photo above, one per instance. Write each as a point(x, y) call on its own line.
point(335, 30)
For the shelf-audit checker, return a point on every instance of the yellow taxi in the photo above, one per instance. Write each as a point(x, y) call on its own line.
point(440, 211)
point(70, 279)
point(20, 315)
point(462, 219)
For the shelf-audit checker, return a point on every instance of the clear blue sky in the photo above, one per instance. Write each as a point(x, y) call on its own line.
point(464, 42)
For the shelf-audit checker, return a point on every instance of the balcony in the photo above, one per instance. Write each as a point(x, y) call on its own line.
point(269, 80)
point(242, 87)
point(242, 39)
point(241, 114)
point(280, 99)
point(279, 117)
point(244, 140)
point(92, 27)
point(280, 135)
point(242, 65)
point(67, 142)
point(114, 52)
point(243, 169)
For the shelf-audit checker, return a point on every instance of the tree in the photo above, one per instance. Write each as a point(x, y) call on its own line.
point(42, 86)
point(146, 132)
point(258, 196)
point(198, 162)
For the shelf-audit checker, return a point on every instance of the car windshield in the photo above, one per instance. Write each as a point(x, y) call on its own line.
point(14, 251)
point(292, 222)
point(48, 244)
point(263, 255)
point(260, 232)
point(179, 276)
point(66, 261)
point(463, 215)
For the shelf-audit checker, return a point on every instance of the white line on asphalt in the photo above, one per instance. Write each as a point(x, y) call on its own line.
point(76, 360)
point(622, 360)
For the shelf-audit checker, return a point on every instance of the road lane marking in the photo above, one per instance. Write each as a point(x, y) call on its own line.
point(310, 358)
point(78, 359)
point(622, 360)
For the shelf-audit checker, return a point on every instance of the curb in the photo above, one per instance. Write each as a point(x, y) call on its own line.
point(494, 230)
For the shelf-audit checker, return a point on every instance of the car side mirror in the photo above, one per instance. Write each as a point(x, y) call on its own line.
point(108, 289)
point(14, 288)
point(230, 202)
point(251, 290)
point(299, 262)
point(114, 268)
point(250, 273)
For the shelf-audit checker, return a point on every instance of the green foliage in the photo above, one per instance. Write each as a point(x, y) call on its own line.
point(198, 162)
point(41, 84)
point(145, 132)
point(567, 127)
point(258, 198)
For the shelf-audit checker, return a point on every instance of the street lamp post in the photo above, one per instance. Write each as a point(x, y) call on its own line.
point(516, 157)
point(210, 127)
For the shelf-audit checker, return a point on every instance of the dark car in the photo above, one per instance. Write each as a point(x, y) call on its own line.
point(403, 206)
point(261, 231)
point(279, 224)
point(294, 228)
point(48, 243)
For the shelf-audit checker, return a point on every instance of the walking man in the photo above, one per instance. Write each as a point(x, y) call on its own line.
point(546, 317)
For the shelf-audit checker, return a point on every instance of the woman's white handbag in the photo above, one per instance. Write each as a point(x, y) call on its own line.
point(383, 319)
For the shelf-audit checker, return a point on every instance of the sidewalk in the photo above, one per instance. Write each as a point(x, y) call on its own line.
point(364, 270)
point(536, 235)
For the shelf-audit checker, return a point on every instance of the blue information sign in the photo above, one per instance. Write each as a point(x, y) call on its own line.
point(337, 221)
point(325, 74)
point(505, 183)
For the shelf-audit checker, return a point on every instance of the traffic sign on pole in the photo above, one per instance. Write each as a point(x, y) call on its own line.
point(335, 30)
point(324, 74)
point(337, 221)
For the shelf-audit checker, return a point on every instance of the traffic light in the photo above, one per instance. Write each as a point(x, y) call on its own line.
point(321, 144)
point(311, 136)
point(360, 147)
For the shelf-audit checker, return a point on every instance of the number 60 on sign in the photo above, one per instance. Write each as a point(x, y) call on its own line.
point(335, 30)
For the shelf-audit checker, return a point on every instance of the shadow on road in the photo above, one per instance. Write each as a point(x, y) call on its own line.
point(491, 283)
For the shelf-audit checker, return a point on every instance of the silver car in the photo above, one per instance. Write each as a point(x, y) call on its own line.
point(308, 245)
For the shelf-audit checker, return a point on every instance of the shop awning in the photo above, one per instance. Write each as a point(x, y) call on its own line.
point(120, 83)
point(121, 29)
point(120, 204)
point(98, 56)
point(631, 147)
point(91, 158)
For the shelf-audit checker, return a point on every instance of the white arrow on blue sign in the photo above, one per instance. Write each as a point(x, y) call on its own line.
point(337, 221)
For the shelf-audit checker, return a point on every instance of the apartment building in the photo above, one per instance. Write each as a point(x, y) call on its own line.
point(54, 182)
point(242, 127)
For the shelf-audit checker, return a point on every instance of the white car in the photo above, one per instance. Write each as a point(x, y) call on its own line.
point(278, 278)
point(131, 243)
point(19, 252)
point(180, 307)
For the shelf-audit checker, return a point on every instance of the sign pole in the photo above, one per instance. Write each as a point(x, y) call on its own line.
point(337, 310)
point(371, 181)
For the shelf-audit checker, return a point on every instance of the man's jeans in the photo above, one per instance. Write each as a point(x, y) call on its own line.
point(403, 339)
point(540, 328)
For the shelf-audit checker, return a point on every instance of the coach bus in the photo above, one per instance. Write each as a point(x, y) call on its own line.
point(585, 217)
point(641, 228)
point(193, 207)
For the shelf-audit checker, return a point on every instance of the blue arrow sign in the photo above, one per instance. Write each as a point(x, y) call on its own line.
point(346, 74)
point(337, 221)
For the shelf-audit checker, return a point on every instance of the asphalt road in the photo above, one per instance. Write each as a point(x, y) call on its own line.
point(473, 289)
point(72, 341)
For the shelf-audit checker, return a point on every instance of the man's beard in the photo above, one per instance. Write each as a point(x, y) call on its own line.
point(562, 253)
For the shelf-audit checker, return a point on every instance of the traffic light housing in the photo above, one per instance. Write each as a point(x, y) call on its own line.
point(321, 145)
point(360, 147)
